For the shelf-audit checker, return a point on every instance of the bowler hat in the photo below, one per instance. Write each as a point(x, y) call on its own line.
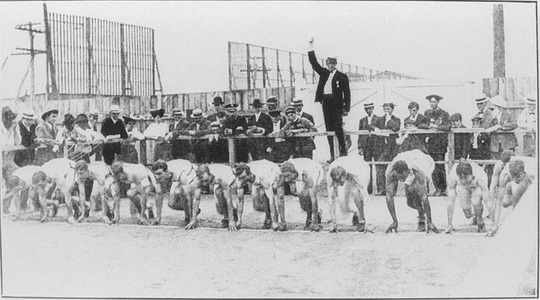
point(257, 103)
point(46, 114)
point(437, 97)
point(217, 101)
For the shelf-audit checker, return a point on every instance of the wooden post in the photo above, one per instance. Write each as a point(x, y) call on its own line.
point(232, 152)
point(248, 68)
point(230, 69)
point(520, 137)
point(122, 60)
point(451, 151)
point(498, 41)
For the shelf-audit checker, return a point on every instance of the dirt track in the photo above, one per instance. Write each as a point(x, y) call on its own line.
point(96, 260)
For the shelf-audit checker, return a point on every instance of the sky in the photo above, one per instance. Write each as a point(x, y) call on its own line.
point(445, 41)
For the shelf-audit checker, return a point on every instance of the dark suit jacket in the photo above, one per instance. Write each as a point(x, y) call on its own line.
point(438, 143)
point(181, 126)
point(370, 143)
point(421, 121)
point(462, 144)
point(340, 83)
point(265, 121)
point(204, 128)
point(234, 122)
point(307, 116)
point(110, 128)
point(27, 137)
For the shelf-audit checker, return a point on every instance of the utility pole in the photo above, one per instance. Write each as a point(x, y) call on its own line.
point(32, 52)
point(499, 68)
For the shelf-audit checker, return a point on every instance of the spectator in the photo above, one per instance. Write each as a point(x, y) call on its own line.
point(303, 146)
point(258, 124)
point(506, 120)
point(480, 142)
point(462, 141)
point(369, 146)
point(67, 134)
point(157, 132)
point(389, 151)
point(235, 124)
point(486, 120)
point(278, 149)
point(129, 153)
point(198, 128)
point(179, 148)
point(334, 94)
point(27, 130)
point(10, 137)
point(437, 144)
point(415, 120)
point(298, 104)
point(113, 128)
point(218, 146)
point(86, 134)
point(93, 122)
point(219, 114)
point(46, 135)
point(527, 120)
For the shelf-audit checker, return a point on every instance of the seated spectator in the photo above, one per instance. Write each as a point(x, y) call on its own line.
point(234, 125)
point(129, 153)
point(258, 124)
point(180, 148)
point(157, 131)
point(303, 146)
point(462, 141)
point(27, 130)
point(46, 135)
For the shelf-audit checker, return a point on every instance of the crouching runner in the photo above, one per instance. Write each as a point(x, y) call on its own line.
point(20, 181)
point(172, 180)
point(468, 182)
point(222, 178)
point(307, 175)
point(88, 188)
point(351, 173)
point(413, 168)
point(263, 175)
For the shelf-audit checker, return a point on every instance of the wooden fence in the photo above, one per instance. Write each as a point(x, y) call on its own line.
point(140, 106)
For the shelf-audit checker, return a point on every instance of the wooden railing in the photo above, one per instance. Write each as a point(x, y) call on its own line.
point(520, 133)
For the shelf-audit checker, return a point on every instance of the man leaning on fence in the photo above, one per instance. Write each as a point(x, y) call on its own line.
point(46, 135)
point(180, 148)
point(113, 127)
point(369, 146)
point(258, 124)
point(27, 130)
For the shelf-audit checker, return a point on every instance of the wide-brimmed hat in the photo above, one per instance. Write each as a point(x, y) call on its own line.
point(498, 101)
point(257, 103)
point(157, 112)
point(369, 105)
point(476, 118)
point(197, 113)
point(437, 97)
point(114, 109)
point(217, 101)
point(28, 114)
point(7, 113)
point(481, 98)
point(49, 112)
point(297, 101)
point(177, 111)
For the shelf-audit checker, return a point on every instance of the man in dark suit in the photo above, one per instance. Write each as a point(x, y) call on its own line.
point(180, 148)
point(334, 94)
point(113, 127)
point(462, 141)
point(437, 144)
point(298, 105)
point(200, 126)
point(233, 125)
point(27, 129)
point(414, 120)
point(389, 146)
point(485, 120)
point(219, 114)
point(370, 146)
point(258, 124)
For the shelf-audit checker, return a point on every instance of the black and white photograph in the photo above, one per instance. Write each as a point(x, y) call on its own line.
point(269, 149)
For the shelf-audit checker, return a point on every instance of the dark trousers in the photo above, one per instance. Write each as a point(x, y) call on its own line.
point(389, 151)
point(180, 149)
point(439, 174)
point(109, 150)
point(333, 119)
